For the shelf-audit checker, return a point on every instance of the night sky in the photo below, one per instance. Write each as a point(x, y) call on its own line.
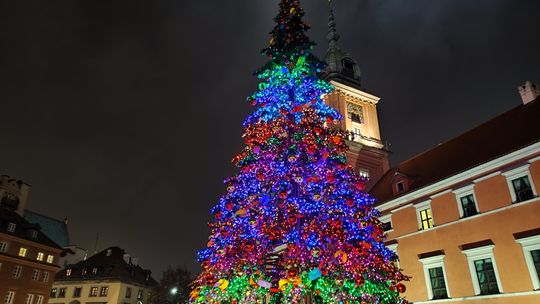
point(124, 115)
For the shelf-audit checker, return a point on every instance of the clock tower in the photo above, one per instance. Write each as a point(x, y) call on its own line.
point(367, 154)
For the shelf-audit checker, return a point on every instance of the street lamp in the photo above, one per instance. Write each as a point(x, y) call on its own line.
point(174, 291)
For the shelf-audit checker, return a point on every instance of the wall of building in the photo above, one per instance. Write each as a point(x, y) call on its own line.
point(498, 220)
point(117, 292)
point(26, 284)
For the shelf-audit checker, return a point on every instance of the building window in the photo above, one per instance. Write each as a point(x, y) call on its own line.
point(438, 285)
point(387, 226)
point(466, 200)
point(68, 272)
point(435, 276)
point(520, 183)
point(426, 221)
point(531, 251)
point(356, 118)
point(355, 113)
point(22, 252)
point(53, 293)
point(10, 297)
point(62, 292)
point(400, 186)
point(77, 292)
point(34, 234)
point(29, 298)
point(83, 272)
point(94, 270)
point(139, 294)
point(11, 227)
point(3, 247)
point(35, 275)
point(50, 259)
point(39, 299)
point(45, 277)
point(40, 256)
point(483, 269)
point(109, 252)
point(364, 173)
point(486, 276)
point(17, 271)
point(128, 292)
point(104, 291)
point(522, 189)
point(93, 292)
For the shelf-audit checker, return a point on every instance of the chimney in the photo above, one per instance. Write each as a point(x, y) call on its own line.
point(529, 92)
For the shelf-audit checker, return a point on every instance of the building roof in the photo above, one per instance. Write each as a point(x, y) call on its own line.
point(506, 133)
point(110, 264)
point(24, 229)
point(55, 229)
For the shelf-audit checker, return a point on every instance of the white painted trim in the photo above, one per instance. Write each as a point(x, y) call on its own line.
point(530, 244)
point(476, 254)
point(463, 192)
point(534, 200)
point(515, 174)
point(387, 219)
point(401, 208)
point(434, 262)
point(484, 297)
point(483, 178)
point(440, 193)
point(475, 172)
point(532, 160)
point(394, 248)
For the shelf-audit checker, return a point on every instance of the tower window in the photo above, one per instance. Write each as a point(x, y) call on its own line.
point(11, 227)
point(400, 186)
point(348, 67)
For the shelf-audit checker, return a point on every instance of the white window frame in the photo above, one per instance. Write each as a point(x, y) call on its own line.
point(4, 246)
point(29, 298)
point(463, 192)
point(46, 277)
point(394, 248)
point(530, 244)
point(16, 274)
point(480, 253)
point(434, 262)
point(421, 207)
point(35, 274)
point(10, 297)
point(39, 299)
point(385, 219)
point(11, 227)
point(515, 174)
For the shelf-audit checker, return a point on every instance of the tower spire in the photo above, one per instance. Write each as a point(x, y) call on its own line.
point(332, 36)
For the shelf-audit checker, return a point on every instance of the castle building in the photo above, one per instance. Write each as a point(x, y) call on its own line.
point(110, 276)
point(464, 216)
point(28, 258)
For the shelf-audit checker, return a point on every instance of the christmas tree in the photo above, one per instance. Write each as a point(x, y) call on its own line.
point(295, 222)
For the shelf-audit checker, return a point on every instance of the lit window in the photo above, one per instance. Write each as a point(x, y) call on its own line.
point(10, 297)
point(483, 270)
point(3, 247)
point(104, 291)
point(522, 189)
point(11, 227)
point(83, 272)
point(45, 277)
point(128, 292)
point(35, 275)
point(425, 219)
point(53, 293)
point(50, 259)
point(62, 292)
point(139, 294)
point(94, 291)
point(22, 252)
point(29, 298)
point(39, 299)
point(17, 271)
point(40, 256)
point(364, 173)
point(77, 292)
point(68, 272)
point(109, 252)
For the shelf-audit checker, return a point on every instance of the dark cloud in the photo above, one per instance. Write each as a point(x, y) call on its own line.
point(124, 115)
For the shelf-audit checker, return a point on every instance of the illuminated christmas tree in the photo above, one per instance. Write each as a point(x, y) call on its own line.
point(295, 223)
